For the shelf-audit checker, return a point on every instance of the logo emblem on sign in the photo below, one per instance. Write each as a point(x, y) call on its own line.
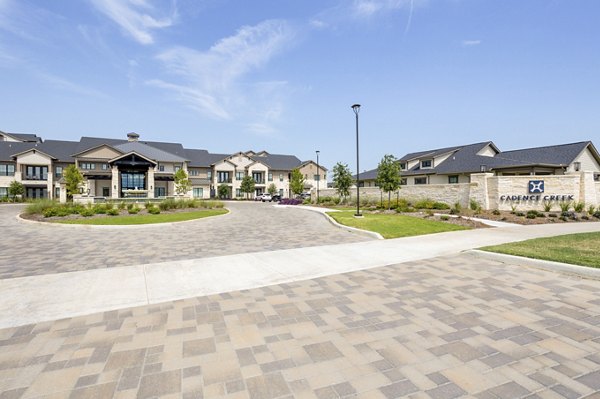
point(536, 186)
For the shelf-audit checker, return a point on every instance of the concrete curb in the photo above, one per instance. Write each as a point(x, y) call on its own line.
point(491, 223)
point(323, 211)
point(108, 226)
point(565, 268)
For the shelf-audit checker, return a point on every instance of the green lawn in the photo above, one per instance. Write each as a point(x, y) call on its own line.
point(393, 225)
point(577, 249)
point(147, 219)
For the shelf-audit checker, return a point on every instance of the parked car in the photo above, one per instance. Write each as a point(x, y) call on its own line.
point(266, 197)
point(276, 197)
point(305, 195)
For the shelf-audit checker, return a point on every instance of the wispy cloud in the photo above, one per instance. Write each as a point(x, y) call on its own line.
point(210, 81)
point(134, 17)
point(59, 83)
point(368, 8)
point(469, 43)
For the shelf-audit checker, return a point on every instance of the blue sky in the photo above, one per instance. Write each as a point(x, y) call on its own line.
point(281, 75)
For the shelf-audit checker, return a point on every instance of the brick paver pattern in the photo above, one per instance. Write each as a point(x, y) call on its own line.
point(439, 328)
point(250, 227)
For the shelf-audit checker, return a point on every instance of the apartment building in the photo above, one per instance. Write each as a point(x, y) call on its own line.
point(132, 168)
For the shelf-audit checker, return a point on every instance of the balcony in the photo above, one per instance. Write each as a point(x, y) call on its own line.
point(225, 181)
point(36, 177)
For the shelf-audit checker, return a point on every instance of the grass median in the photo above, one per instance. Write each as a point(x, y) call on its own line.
point(393, 225)
point(576, 249)
point(146, 219)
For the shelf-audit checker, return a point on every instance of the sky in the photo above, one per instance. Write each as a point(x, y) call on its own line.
point(282, 75)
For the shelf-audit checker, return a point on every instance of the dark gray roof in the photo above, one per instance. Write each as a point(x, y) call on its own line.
point(202, 158)
point(429, 153)
point(279, 161)
point(172, 148)
point(24, 137)
point(148, 151)
point(87, 143)
point(59, 149)
point(562, 154)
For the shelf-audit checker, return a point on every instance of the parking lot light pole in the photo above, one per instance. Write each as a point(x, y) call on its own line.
point(356, 109)
point(318, 176)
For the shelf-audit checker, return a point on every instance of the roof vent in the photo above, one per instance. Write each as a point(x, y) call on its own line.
point(132, 136)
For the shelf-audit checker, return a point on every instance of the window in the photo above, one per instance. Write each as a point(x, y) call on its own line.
point(426, 163)
point(104, 166)
point(317, 177)
point(257, 176)
point(177, 167)
point(577, 166)
point(597, 176)
point(403, 165)
point(87, 165)
point(159, 192)
point(209, 174)
point(281, 177)
point(453, 179)
point(270, 176)
point(58, 171)
point(239, 176)
point(194, 172)
point(56, 192)
point(3, 192)
point(238, 192)
point(7, 170)
point(420, 180)
point(403, 181)
point(281, 192)
point(223, 177)
point(36, 173)
point(161, 168)
point(106, 191)
point(198, 192)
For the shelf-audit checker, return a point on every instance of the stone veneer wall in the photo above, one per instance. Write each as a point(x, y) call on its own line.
point(447, 193)
point(487, 190)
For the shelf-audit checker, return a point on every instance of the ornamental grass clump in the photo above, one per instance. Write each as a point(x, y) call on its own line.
point(579, 206)
point(564, 206)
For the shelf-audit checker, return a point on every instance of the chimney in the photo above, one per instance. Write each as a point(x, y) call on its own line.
point(132, 136)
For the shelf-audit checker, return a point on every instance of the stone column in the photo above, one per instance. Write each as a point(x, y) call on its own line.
point(114, 189)
point(150, 183)
point(587, 189)
point(63, 192)
point(479, 189)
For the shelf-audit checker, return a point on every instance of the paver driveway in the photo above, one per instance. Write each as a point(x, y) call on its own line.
point(436, 328)
point(33, 249)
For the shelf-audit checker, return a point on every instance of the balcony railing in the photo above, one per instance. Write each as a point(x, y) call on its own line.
point(224, 181)
point(36, 177)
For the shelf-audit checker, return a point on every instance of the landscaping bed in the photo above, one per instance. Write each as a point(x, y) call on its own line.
point(122, 213)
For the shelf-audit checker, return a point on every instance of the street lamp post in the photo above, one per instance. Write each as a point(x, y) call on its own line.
point(356, 108)
point(318, 176)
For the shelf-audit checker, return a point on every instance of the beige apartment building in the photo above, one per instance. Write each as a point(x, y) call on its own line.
point(131, 168)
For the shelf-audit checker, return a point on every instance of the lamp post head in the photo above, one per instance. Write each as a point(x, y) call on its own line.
point(317, 151)
point(356, 108)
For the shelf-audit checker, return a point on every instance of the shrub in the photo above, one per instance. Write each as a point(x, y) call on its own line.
point(121, 205)
point(597, 214)
point(290, 201)
point(579, 206)
point(133, 210)
point(39, 206)
point(445, 218)
point(130, 206)
point(430, 204)
point(109, 206)
point(496, 212)
point(148, 205)
point(112, 212)
point(99, 209)
point(153, 210)
point(519, 214)
point(474, 205)
point(591, 209)
point(513, 208)
point(564, 205)
point(547, 206)
point(87, 212)
point(585, 217)
point(49, 212)
point(552, 215)
point(531, 214)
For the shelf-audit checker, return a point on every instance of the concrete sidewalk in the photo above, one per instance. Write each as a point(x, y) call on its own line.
point(33, 299)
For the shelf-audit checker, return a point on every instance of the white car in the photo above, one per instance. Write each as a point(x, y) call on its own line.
point(266, 197)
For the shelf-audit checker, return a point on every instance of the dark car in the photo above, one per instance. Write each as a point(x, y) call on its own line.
point(276, 197)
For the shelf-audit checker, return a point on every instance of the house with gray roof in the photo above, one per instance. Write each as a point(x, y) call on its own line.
point(453, 165)
point(125, 168)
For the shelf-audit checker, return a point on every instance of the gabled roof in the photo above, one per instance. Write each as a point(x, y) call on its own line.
point(279, 161)
point(313, 162)
point(429, 153)
point(121, 156)
point(56, 149)
point(95, 148)
point(23, 137)
point(34, 149)
point(148, 152)
point(9, 148)
point(560, 155)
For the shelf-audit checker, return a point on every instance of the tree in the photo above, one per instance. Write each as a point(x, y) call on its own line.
point(223, 191)
point(388, 175)
point(272, 189)
point(297, 182)
point(73, 179)
point(247, 185)
point(15, 189)
point(342, 179)
point(182, 183)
